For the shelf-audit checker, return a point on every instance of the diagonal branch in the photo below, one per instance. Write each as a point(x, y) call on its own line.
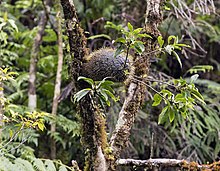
point(136, 90)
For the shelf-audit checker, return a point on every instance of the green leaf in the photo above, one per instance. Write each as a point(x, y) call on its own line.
point(144, 35)
point(79, 95)
point(113, 26)
point(50, 165)
point(62, 168)
point(157, 100)
point(166, 92)
point(198, 96)
point(160, 41)
point(170, 38)
point(139, 47)
point(199, 68)
point(2, 25)
point(178, 58)
point(88, 80)
point(182, 45)
point(106, 84)
point(121, 40)
point(130, 27)
point(99, 36)
point(163, 115)
point(110, 94)
point(180, 98)
point(26, 164)
point(167, 8)
point(105, 96)
point(138, 30)
point(39, 165)
point(118, 51)
point(12, 22)
point(40, 126)
point(171, 114)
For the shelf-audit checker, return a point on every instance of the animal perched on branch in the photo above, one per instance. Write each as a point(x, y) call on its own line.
point(103, 63)
point(99, 65)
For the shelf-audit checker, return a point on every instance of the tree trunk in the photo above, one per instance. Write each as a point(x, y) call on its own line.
point(32, 97)
point(58, 81)
point(1, 109)
point(94, 134)
point(136, 90)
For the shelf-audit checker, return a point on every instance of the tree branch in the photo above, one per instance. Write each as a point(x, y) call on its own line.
point(183, 164)
point(32, 97)
point(94, 137)
point(136, 90)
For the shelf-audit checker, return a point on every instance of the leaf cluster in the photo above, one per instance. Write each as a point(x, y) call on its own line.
point(130, 39)
point(11, 163)
point(182, 102)
point(171, 46)
point(100, 89)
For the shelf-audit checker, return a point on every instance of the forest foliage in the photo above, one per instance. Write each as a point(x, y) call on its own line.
point(180, 116)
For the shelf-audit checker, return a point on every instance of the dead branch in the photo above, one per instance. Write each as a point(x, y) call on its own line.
point(183, 164)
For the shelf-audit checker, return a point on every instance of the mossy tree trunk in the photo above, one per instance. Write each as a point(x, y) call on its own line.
point(94, 134)
point(136, 89)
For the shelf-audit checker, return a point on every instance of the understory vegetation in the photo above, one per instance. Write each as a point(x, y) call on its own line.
point(179, 118)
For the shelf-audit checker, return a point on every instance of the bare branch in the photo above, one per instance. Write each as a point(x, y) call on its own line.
point(168, 163)
point(151, 162)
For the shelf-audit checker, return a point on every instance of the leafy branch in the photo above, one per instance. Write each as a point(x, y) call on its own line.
point(172, 45)
point(130, 39)
point(101, 89)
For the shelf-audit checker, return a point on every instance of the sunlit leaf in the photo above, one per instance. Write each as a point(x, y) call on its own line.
point(99, 36)
point(82, 93)
point(163, 115)
point(40, 126)
point(160, 41)
point(120, 40)
point(170, 38)
point(130, 27)
point(157, 100)
point(144, 35)
point(138, 30)
point(12, 22)
point(88, 80)
point(178, 58)
point(171, 113)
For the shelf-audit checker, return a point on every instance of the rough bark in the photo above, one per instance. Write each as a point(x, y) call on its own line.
point(58, 81)
point(94, 134)
point(32, 97)
point(93, 123)
point(136, 90)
